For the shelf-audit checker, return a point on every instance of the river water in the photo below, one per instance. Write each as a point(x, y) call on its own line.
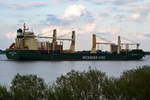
point(50, 70)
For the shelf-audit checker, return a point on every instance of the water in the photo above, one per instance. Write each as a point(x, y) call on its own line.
point(50, 70)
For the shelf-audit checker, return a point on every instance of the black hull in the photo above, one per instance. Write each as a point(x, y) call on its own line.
point(39, 55)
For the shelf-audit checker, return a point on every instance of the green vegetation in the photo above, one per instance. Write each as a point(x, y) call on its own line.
point(91, 85)
point(28, 87)
point(2, 51)
point(4, 94)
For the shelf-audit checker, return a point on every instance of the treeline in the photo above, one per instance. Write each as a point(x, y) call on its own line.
point(147, 53)
point(88, 85)
point(2, 51)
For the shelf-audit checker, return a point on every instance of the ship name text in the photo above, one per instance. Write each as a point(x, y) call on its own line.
point(93, 57)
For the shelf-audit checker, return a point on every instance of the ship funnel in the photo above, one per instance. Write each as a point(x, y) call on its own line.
point(72, 46)
point(19, 33)
point(93, 44)
point(119, 45)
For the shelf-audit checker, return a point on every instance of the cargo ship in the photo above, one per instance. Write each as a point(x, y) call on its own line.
point(28, 47)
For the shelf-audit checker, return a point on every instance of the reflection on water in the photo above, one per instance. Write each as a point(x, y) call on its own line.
point(50, 70)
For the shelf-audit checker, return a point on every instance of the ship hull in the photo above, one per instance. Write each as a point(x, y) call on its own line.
point(40, 55)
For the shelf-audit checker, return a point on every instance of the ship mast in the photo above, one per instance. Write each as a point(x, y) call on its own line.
point(24, 27)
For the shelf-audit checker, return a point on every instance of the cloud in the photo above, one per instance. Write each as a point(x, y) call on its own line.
point(72, 14)
point(80, 28)
point(142, 37)
point(134, 17)
point(60, 2)
point(56, 20)
point(86, 28)
point(52, 19)
point(74, 11)
point(137, 17)
point(3, 1)
point(10, 35)
point(116, 2)
point(62, 31)
point(137, 12)
point(85, 24)
point(27, 5)
point(143, 8)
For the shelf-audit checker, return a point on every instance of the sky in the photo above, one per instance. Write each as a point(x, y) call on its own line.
point(106, 18)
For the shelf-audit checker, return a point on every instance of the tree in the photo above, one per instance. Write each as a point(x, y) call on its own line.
point(4, 94)
point(78, 86)
point(135, 83)
point(28, 87)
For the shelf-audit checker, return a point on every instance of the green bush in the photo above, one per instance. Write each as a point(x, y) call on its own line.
point(135, 83)
point(4, 94)
point(132, 85)
point(28, 87)
point(78, 86)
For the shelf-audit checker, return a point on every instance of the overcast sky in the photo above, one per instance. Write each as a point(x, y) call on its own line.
point(105, 18)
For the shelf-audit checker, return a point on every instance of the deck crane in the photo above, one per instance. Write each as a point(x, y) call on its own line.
point(94, 43)
point(117, 48)
point(55, 38)
point(128, 44)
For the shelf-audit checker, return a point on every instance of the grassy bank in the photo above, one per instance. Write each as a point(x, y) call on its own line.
point(90, 85)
